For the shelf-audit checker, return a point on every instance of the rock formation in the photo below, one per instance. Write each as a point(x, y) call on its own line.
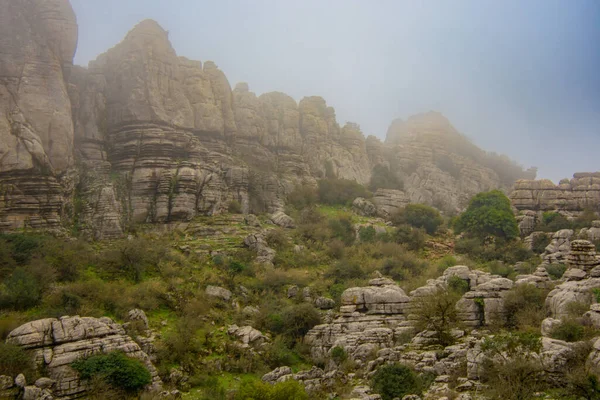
point(575, 195)
point(36, 128)
point(143, 135)
point(57, 343)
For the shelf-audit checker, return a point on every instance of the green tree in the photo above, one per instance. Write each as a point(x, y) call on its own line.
point(116, 368)
point(419, 216)
point(396, 381)
point(489, 214)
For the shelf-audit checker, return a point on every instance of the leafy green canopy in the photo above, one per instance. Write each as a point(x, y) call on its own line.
point(116, 368)
point(489, 214)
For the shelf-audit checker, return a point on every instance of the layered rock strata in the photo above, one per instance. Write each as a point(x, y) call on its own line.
point(143, 135)
point(575, 195)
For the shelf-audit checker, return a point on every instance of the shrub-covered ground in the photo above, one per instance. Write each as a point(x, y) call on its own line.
point(165, 274)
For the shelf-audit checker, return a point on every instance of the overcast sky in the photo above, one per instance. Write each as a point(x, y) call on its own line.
point(518, 77)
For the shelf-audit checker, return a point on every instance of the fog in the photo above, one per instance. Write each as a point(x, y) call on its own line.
point(519, 78)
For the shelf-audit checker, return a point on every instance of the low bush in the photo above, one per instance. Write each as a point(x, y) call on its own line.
point(342, 228)
point(257, 390)
point(302, 196)
point(234, 207)
point(116, 368)
point(552, 222)
point(419, 216)
point(556, 271)
point(15, 360)
point(338, 354)
point(525, 307)
point(437, 312)
point(299, 319)
point(458, 285)
point(367, 234)
point(412, 238)
point(568, 330)
point(396, 381)
point(512, 368)
point(344, 270)
point(539, 244)
point(277, 239)
point(340, 191)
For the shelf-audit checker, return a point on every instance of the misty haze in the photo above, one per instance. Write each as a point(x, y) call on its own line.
point(312, 200)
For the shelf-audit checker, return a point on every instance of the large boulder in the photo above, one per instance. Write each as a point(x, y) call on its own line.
point(56, 343)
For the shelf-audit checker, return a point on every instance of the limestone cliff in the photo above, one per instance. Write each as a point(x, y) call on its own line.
point(442, 167)
point(37, 44)
point(144, 135)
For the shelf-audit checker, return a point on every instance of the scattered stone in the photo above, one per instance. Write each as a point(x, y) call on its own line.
point(283, 220)
point(20, 381)
point(218, 292)
point(364, 207)
point(324, 303)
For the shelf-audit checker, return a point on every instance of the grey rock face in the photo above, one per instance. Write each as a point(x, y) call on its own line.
point(36, 129)
point(57, 343)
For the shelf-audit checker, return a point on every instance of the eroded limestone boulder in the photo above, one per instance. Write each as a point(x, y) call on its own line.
point(56, 343)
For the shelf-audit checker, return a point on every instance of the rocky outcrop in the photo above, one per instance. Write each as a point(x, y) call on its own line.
point(559, 248)
point(575, 195)
point(440, 166)
point(36, 128)
point(56, 343)
point(370, 318)
point(389, 201)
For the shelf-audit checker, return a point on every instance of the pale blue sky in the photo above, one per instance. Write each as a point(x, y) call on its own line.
point(518, 77)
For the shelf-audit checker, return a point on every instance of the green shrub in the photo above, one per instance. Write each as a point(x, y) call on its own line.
point(540, 242)
point(446, 262)
point(525, 307)
point(257, 390)
point(489, 214)
point(396, 381)
point(367, 234)
point(556, 271)
point(234, 207)
point(552, 222)
point(338, 354)
point(14, 360)
point(302, 196)
point(383, 178)
point(458, 285)
point(336, 249)
point(299, 319)
point(402, 265)
point(340, 191)
point(277, 239)
point(569, 330)
point(419, 216)
point(22, 290)
point(116, 368)
point(412, 238)
point(23, 246)
point(500, 268)
point(585, 219)
point(437, 312)
point(344, 270)
point(511, 366)
point(342, 229)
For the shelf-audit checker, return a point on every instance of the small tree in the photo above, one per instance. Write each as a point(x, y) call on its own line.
point(437, 312)
point(511, 367)
point(489, 214)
